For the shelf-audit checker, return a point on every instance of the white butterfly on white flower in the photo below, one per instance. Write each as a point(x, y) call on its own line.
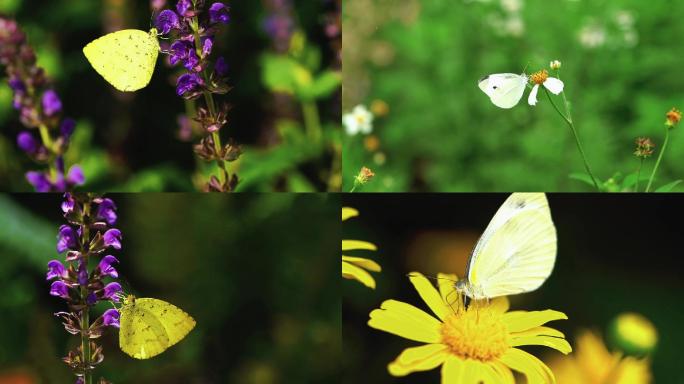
point(506, 89)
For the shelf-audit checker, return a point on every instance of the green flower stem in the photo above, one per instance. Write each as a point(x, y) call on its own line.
point(312, 121)
point(660, 157)
point(641, 163)
point(85, 321)
point(353, 188)
point(568, 120)
point(47, 142)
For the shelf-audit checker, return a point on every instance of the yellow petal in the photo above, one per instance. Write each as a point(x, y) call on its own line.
point(505, 374)
point(406, 321)
point(488, 375)
point(348, 245)
point(518, 321)
point(351, 271)
point(447, 289)
point(538, 331)
point(453, 371)
point(429, 295)
point(363, 263)
point(534, 370)
point(556, 343)
point(348, 213)
point(499, 304)
point(472, 373)
point(423, 358)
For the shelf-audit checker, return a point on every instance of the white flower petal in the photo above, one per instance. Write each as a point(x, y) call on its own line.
point(532, 98)
point(350, 125)
point(554, 85)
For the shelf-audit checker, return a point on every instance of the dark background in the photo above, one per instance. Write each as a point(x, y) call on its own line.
point(615, 254)
point(258, 273)
point(128, 142)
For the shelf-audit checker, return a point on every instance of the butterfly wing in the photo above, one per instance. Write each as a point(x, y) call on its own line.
point(517, 251)
point(150, 326)
point(126, 58)
point(504, 89)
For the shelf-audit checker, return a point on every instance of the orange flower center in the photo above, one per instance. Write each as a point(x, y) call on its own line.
point(476, 333)
point(539, 77)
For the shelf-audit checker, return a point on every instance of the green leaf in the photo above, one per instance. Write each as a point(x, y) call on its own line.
point(323, 86)
point(24, 234)
point(583, 177)
point(668, 187)
point(278, 73)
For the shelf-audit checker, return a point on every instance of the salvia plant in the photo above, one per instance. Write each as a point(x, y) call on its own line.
point(192, 27)
point(47, 134)
point(86, 276)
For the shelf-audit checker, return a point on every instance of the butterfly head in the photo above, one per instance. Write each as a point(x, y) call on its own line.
point(130, 299)
point(154, 33)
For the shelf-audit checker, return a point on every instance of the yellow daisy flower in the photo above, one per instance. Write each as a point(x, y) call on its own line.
point(355, 267)
point(593, 363)
point(473, 345)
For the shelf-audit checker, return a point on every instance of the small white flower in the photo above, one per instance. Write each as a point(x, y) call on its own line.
point(359, 120)
point(555, 64)
point(554, 85)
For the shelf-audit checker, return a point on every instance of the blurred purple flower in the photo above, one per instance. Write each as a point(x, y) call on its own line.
point(67, 128)
point(188, 82)
point(75, 176)
point(111, 318)
point(55, 269)
point(111, 290)
point(17, 85)
point(107, 211)
point(39, 180)
point(68, 203)
point(66, 239)
point(106, 268)
point(183, 7)
point(166, 21)
point(82, 273)
point(91, 299)
point(59, 288)
point(51, 103)
point(26, 142)
point(112, 238)
point(221, 67)
point(218, 13)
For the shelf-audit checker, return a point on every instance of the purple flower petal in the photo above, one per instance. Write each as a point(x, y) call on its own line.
point(107, 211)
point(111, 317)
point(166, 21)
point(180, 49)
point(51, 103)
point(67, 128)
point(39, 181)
point(183, 7)
point(91, 299)
point(218, 13)
point(59, 288)
point(82, 273)
point(75, 176)
point(111, 290)
point(106, 268)
point(112, 238)
point(55, 269)
point(207, 44)
point(17, 85)
point(69, 203)
point(188, 82)
point(26, 142)
point(66, 239)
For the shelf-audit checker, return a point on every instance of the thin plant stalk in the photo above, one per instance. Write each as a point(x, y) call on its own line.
point(660, 157)
point(85, 321)
point(568, 120)
point(641, 163)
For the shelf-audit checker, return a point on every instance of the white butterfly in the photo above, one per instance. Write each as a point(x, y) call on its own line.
point(516, 252)
point(506, 89)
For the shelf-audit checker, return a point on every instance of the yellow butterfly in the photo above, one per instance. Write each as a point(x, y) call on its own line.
point(126, 58)
point(516, 252)
point(148, 326)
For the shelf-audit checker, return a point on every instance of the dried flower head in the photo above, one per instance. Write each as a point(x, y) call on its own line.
point(673, 117)
point(644, 147)
point(364, 175)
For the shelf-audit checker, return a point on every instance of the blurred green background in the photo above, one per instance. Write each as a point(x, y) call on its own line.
point(615, 254)
point(620, 64)
point(130, 142)
point(257, 273)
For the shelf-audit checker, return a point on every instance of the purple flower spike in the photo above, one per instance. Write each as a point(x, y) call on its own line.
point(112, 238)
point(51, 103)
point(66, 238)
point(39, 181)
point(67, 128)
point(107, 211)
point(166, 21)
point(218, 13)
point(183, 7)
point(106, 268)
point(26, 142)
point(59, 288)
point(75, 176)
point(111, 290)
point(221, 67)
point(187, 82)
point(68, 203)
point(111, 317)
point(55, 269)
